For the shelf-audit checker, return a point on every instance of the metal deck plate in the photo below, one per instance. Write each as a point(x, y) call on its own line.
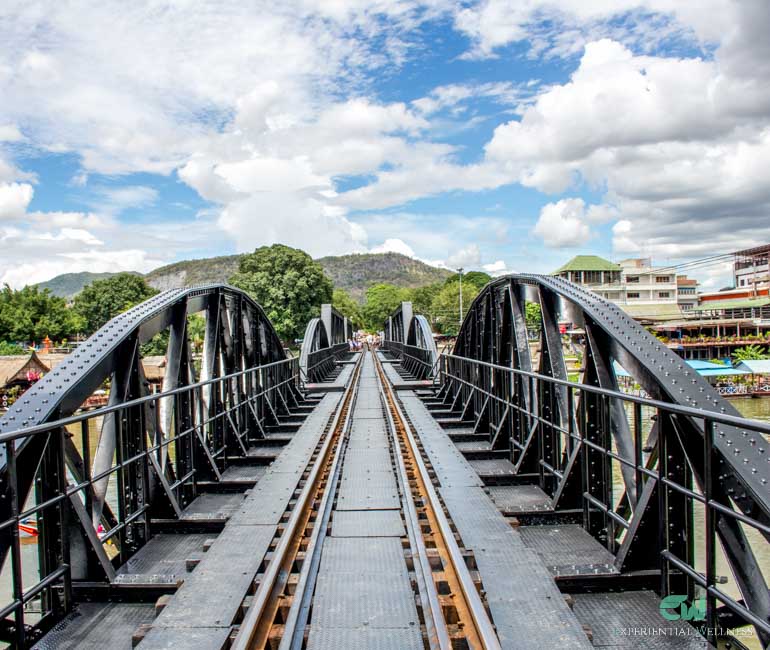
point(367, 523)
point(496, 467)
point(98, 626)
point(164, 557)
point(522, 596)
point(512, 499)
point(568, 549)
point(202, 638)
point(369, 494)
point(620, 620)
point(213, 506)
point(377, 639)
point(212, 594)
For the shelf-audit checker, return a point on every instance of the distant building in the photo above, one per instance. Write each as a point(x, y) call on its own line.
point(647, 293)
point(751, 270)
point(750, 295)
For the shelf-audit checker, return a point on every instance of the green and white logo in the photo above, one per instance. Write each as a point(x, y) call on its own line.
point(675, 608)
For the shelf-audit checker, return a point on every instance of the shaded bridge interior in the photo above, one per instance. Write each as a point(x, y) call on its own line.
point(610, 500)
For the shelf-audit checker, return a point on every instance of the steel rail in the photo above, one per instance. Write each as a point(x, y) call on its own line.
point(437, 632)
point(299, 612)
point(480, 619)
point(254, 629)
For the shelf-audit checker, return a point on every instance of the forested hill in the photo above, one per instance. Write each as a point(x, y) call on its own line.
point(353, 273)
point(69, 284)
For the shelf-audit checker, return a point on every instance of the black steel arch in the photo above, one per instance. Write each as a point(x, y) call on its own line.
point(409, 337)
point(246, 383)
point(325, 339)
point(550, 425)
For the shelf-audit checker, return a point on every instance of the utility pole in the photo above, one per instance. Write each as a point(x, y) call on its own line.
point(460, 271)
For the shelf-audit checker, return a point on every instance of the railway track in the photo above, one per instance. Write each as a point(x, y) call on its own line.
point(367, 515)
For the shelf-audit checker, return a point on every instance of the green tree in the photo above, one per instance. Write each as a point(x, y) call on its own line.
point(446, 307)
point(477, 279)
point(533, 316)
point(196, 331)
point(102, 300)
point(288, 284)
point(422, 299)
point(12, 348)
point(344, 304)
point(751, 352)
point(381, 301)
point(30, 314)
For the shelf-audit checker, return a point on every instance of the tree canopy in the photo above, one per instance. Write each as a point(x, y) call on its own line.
point(29, 314)
point(750, 352)
point(288, 284)
point(102, 300)
point(446, 307)
point(344, 304)
point(381, 301)
point(477, 279)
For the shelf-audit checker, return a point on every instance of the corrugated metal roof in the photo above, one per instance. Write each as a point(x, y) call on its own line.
point(660, 311)
point(588, 263)
point(756, 366)
point(732, 304)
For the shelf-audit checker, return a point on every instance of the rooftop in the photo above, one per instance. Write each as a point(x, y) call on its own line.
point(587, 263)
point(732, 304)
point(756, 366)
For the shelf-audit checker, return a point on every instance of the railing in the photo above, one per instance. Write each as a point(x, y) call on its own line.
point(414, 359)
point(117, 509)
point(559, 435)
point(322, 362)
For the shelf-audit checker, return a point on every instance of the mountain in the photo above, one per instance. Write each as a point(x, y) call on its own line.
point(191, 272)
point(69, 284)
point(354, 273)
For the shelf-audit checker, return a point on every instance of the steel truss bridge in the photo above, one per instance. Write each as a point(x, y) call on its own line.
point(395, 498)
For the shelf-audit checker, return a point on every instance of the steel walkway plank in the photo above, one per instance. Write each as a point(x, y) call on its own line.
point(527, 608)
point(163, 559)
point(97, 626)
point(568, 549)
point(626, 619)
point(367, 523)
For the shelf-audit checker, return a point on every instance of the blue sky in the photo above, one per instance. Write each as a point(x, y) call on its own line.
point(496, 135)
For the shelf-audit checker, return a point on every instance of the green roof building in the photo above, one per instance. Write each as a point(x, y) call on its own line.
point(590, 270)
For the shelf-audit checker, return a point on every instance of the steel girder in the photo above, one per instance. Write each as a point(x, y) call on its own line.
point(548, 425)
point(409, 337)
point(325, 339)
point(250, 383)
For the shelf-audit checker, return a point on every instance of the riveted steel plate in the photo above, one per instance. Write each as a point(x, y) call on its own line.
point(520, 498)
point(568, 549)
point(369, 493)
point(192, 638)
point(213, 506)
point(493, 467)
point(164, 555)
point(97, 626)
point(244, 472)
point(361, 413)
point(367, 523)
point(523, 599)
point(212, 594)
point(350, 555)
point(619, 620)
point(355, 600)
point(371, 639)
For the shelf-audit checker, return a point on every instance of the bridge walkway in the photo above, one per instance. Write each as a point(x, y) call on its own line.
point(368, 589)
point(528, 555)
